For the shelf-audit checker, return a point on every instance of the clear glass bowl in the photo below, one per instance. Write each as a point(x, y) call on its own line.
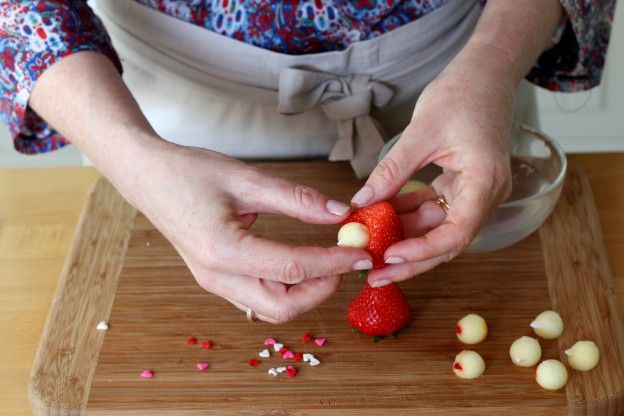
point(538, 167)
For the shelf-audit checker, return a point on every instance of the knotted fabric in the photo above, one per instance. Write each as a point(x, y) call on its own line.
point(346, 99)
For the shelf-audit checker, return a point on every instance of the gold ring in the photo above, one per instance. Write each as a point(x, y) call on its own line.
point(441, 201)
point(250, 315)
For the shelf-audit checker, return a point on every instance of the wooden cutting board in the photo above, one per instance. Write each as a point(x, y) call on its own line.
point(122, 270)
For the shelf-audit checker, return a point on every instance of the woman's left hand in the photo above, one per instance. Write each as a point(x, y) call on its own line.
point(461, 123)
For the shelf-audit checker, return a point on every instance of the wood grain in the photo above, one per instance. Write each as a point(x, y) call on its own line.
point(63, 368)
point(582, 290)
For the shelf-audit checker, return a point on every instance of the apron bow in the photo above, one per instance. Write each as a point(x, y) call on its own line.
point(346, 99)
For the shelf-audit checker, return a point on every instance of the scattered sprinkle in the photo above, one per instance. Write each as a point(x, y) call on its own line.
point(307, 357)
point(307, 337)
point(269, 341)
point(298, 356)
point(320, 341)
point(314, 361)
point(202, 366)
point(283, 350)
point(287, 355)
point(147, 374)
point(291, 371)
point(277, 346)
point(253, 362)
point(280, 370)
point(264, 353)
point(102, 326)
point(206, 345)
point(191, 340)
point(273, 372)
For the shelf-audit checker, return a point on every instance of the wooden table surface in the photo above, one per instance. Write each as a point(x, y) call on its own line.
point(38, 213)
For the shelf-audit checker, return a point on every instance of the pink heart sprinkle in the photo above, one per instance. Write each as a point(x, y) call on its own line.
point(320, 341)
point(147, 374)
point(288, 355)
point(269, 341)
point(202, 366)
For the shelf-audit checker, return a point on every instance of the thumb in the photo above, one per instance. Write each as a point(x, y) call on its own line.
point(280, 196)
point(389, 175)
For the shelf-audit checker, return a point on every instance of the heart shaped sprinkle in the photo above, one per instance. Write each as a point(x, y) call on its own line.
point(206, 345)
point(320, 341)
point(291, 371)
point(273, 372)
point(277, 346)
point(298, 356)
point(314, 361)
point(280, 370)
point(287, 355)
point(102, 326)
point(269, 341)
point(202, 366)
point(283, 350)
point(307, 337)
point(307, 357)
point(253, 362)
point(191, 340)
point(264, 353)
point(147, 374)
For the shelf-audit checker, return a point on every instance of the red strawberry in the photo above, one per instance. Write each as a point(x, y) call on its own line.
point(384, 229)
point(379, 311)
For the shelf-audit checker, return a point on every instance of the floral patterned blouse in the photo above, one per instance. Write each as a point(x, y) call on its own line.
point(34, 34)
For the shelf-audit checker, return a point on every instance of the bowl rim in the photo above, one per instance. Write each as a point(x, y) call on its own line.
point(560, 177)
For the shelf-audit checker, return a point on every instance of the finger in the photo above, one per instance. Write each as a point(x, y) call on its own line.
point(394, 170)
point(247, 220)
point(271, 301)
point(279, 196)
point(254, 256)
point(405, 203)
point(400, 272)
point(428, 216)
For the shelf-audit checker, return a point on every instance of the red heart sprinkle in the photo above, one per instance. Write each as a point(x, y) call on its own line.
point(458, 366)
point(191, 340)
point(206, 345)
point(291, 371)
point(298, 356)
point(253, 362)
point(307, 337)
point(283, 350)
point(458, 329)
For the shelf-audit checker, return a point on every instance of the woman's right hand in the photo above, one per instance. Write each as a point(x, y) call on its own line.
point(202, 201)
point(205, 202)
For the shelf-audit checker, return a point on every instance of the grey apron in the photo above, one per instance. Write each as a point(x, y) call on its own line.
point(203, 89)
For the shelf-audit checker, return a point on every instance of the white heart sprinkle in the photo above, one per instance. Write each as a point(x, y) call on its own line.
point(102, 326)
point(273, 372)
point(264, 353)
point(307, 357)
point(314, 361)
point(277, 346)
point(280, 369)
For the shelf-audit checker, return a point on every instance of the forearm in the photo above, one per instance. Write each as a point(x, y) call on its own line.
point(510, 36)
point(85, 99)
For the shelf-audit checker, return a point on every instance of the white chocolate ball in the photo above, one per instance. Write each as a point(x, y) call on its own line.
point(551, 375)
point(548, 325)
point(471, 329)
point(525, 352)
point(583, 356)
point(468, 364)
point(353, 234)
point(412, 186)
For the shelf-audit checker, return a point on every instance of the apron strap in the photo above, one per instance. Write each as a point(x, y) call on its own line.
point(345, 99)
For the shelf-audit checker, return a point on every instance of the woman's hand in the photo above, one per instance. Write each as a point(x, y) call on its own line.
point(205, 202)
point(461, 123)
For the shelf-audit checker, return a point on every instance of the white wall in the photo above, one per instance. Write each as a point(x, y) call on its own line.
point(582, 122)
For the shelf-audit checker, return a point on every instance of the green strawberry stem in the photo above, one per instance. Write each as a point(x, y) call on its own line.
point(363, 273)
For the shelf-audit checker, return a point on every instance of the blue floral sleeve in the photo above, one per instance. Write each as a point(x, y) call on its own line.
point(576, 61)
point(33, 36)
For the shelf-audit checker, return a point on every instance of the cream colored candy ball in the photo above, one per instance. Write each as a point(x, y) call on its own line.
point(551, 375)
point(468, 364)
point(471, 329)
point(583, 356)
point(548, 325)
point(353, 234)
point(525, 352)
point(412, 186)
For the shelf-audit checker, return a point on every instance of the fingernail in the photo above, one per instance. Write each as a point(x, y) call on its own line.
point(380, 283)
point(363, 265)
point(336, 207)
point(395, 260)
point(362, 196)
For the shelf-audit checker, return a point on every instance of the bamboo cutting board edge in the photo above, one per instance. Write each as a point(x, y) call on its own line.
point(75, 363)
